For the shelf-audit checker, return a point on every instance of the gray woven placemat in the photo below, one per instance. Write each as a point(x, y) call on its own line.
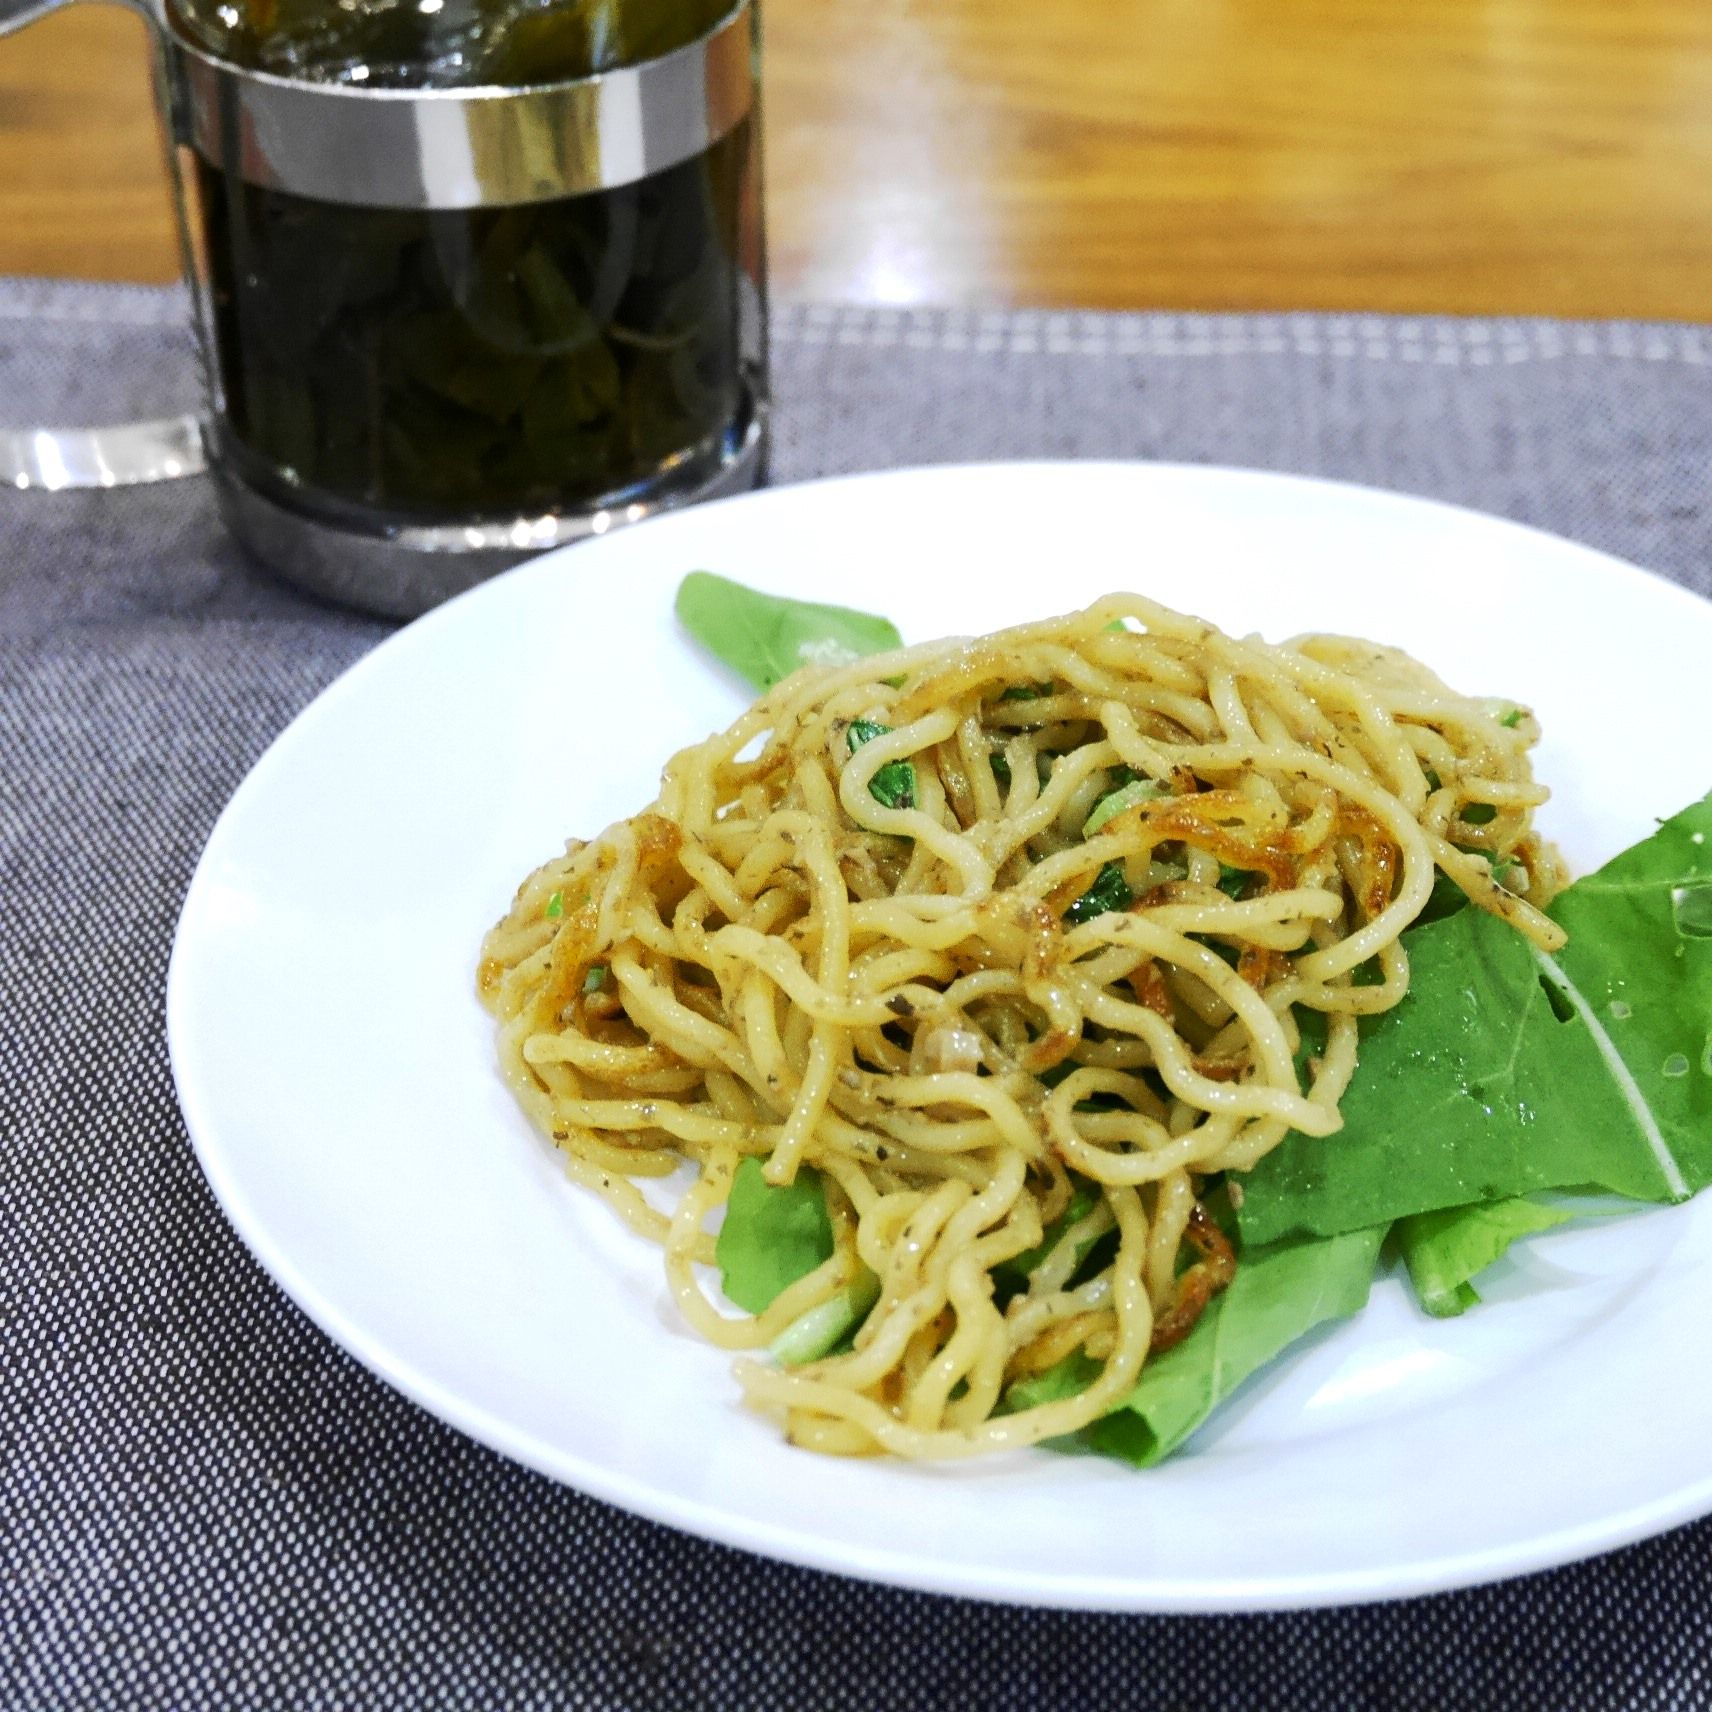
point(206, 1505)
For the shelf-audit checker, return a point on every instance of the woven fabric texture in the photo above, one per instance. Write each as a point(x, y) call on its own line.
point(206, 1505)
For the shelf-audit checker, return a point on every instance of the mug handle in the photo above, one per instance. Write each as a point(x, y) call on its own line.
point(118, 455)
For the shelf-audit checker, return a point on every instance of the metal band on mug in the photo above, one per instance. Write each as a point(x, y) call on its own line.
point(465, 148)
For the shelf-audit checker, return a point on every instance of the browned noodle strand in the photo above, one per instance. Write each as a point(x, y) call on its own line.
point(790, 957)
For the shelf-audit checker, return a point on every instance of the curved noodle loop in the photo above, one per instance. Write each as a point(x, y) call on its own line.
point(1012, 941)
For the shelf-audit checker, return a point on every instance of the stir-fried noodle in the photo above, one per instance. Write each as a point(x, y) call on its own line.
point(1009, 939)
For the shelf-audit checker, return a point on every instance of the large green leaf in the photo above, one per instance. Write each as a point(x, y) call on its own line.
point(1446, 1249)
point(1506, 1072)
point(764, 638)
point(1277, 1296)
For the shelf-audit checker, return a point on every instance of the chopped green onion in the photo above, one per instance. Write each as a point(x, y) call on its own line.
point(894, 785)
point(555, 906)
point(824, 1326)
point(595, 979)
point(1478, 814)
point(1125, 797)
point(1512, 719)
point(1026, 692)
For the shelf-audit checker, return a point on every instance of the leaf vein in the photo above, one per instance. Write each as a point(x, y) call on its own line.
point(1627, 1086)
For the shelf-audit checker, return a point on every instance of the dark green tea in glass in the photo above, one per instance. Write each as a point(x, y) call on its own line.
point(508, 290)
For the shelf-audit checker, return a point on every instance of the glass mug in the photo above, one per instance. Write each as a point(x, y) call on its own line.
point(471, 278)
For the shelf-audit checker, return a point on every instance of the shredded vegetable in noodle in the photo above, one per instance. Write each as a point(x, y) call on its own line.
point(1020, 943)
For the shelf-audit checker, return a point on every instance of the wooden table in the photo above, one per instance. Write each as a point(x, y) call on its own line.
point(1532, 156)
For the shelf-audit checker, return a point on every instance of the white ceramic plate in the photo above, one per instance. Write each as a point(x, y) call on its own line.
point(337, 1072)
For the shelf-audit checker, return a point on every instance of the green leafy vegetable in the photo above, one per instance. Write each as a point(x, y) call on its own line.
point(764, 637)
point(1013, 1274)
point(1234, 882)
point(894, 785)
point(1446, 898)
point(1277, 1296)
point(1067, 1378)
point(1444, 1250)
point(1126, 796)
point(1110, 891)
point(826, 1325)
point(555, 906)
point(1229, 953)
point(772, 1236)
point(1479, 814)
point(1506, 1072)
point(1512, 719)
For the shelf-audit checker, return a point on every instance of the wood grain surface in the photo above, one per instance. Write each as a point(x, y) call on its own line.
point(1528, 156)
